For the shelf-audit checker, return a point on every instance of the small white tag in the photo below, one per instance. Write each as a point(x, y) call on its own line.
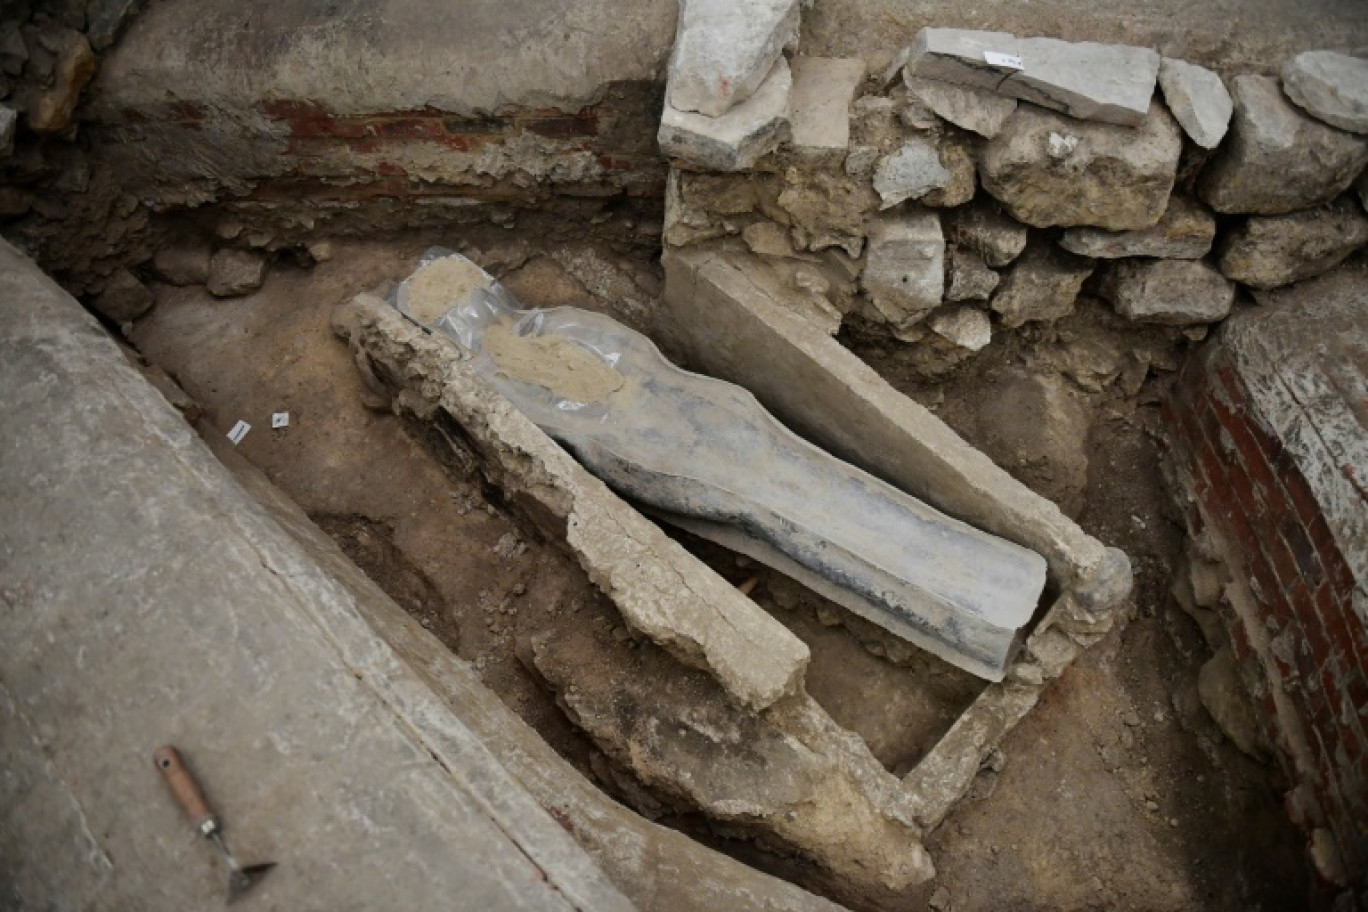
point(1011, 61)
point(238, 432)
point(280, 420)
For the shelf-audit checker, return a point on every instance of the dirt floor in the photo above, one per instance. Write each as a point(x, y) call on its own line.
point(1117, 791)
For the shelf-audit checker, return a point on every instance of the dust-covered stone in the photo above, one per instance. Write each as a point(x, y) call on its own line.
point(823, 88)
point(970, 278)
point(1171, 292)
point(183, 263)
point(724, 50)
point(965, 327)
point(235, 272)
point(1198, 99)
point(826, 208)
point(958, 161)
point(1266, 252)
point(909, 173)
point(967, 107)
point(1277, 158)
point(735, 140)
point(767, 239)
point(904, 274)
point(123, 298)
point(983, 228)
point(1330, 87)
point(1185, 232)
point(1049, 170)
point(1042, 286)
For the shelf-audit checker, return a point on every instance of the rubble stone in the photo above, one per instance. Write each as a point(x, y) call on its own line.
point(966, 327)
point(967, 107)
point(1278, 159)
point(724, 51)
point(1042, 286)
point(1171, 292)
point(767, 239)
point(1185, 232)
point(52, 109)
point(1103, 82)
point(184, 263)
point(1219, 687)
point(904, 274)
point(1266, 252)
point(910, 173)
point(124, 297)
point(958, 161)
point(106, 18)
point(235, 272)
point(1330, 87)
point(982, 228)
point(826, 209)
point(823, 88)
point(1198, 99)
point(970, 279)
point(737, 139)
point(1049, 170)
point(9, 120)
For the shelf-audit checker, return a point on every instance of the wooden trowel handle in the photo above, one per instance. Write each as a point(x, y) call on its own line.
point(183, 785)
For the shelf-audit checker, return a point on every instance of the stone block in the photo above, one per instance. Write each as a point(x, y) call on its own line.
point(1185, 232)
point(123, 298)
point(1104, 82)
point(1330, 87)
point(970, 279)
point(823, 88)
point(1048, 169)
point(183, 263)
point(737, 139)
point(904, 274)
point(1198, 99)
point(725, 50)
point(909, 173)
point(982, 228)
point(1171, 292)
point(1042, 286)
point(968, 107)
point(235, 272)
point(1266, 252)
point(964, 327)
point(1278, 159)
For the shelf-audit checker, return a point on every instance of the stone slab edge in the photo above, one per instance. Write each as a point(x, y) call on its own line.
point(1095, 580)
point(660, 588)
point(654, 866)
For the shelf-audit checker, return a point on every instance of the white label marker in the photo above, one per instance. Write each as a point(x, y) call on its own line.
point(1011, 61)
point(280, 420)
point(238, 432)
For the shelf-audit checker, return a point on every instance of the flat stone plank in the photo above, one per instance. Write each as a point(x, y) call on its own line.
point(968, 107)
point(1170, 292)
point(1330, 87)
point(823, 88)
point(725, 49)
point(737, 139)
point(1104, 82)
point(1185, 232)
point(1198, 100)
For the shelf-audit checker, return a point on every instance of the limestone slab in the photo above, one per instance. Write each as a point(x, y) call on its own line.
point(1048, 169)
point(1185, 232)
point(1171, 292)
point(1104, 82)
point(725, 49)
point(823, 88)
point(969, 107)
point(904, 274)
point(1313, 162)
point(1266, 252)
point(1330, 87)
point(735, 140)
point(1198, 99)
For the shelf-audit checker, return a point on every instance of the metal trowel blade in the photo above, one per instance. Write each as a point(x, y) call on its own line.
point(242, 880)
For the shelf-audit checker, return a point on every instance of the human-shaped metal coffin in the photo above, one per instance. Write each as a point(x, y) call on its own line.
point(704, 455)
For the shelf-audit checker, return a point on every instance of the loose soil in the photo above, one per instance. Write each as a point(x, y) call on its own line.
point(1116, 792)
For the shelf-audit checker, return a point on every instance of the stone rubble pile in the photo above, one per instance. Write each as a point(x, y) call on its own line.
point(987, 181)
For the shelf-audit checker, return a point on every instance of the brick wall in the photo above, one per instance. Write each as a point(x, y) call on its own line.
point(1259, 485)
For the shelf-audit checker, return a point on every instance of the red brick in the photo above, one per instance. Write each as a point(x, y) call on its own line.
point(1303, 552)
point(345, 128)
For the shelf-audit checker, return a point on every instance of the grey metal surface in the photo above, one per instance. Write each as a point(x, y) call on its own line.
point(705, 451)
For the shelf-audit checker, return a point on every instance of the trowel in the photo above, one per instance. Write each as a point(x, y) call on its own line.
point(190, 796)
